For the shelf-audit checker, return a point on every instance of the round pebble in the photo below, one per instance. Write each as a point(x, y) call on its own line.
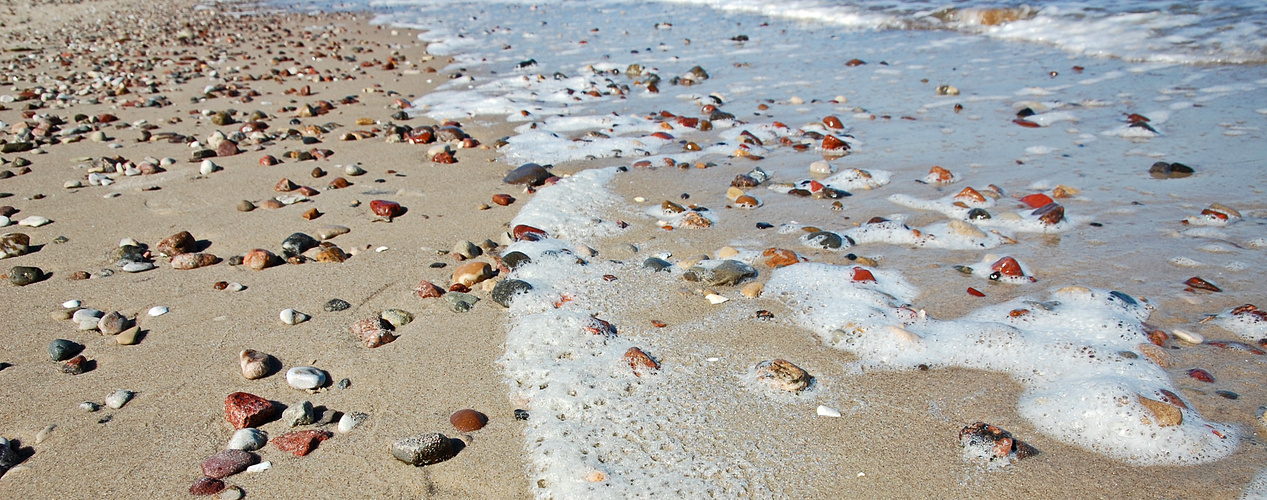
point(468, 420)
point(306, 377)
point(351, 420)
point(62, 349)
point(293, 317)
point(136, 267)
point(248, 439)
point(89, 406)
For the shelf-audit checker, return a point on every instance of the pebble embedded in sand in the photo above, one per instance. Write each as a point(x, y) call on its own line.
point(468, 420)
point(300, 443)
point(157, 311)
point(374, 331)
point(783, 375)
point(351, 420)
point(225, 463)
point(118, 398)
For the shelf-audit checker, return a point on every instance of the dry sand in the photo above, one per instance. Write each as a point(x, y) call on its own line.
point(900, 427)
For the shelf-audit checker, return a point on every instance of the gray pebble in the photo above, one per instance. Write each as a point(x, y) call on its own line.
point(298, 414)
point(118, 398)
point(62, 349)
point(248, 439)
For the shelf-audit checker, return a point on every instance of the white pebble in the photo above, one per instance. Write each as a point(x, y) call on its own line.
point(44, 433)
point(715, 299)
point(118, 398)
point(825, 411)
point(1189, 337)
point(89, 406)
point(129, 242)
point(137, 267)
point(293, 317)
point(639, 199)
point(380, 249)
point(260, 467)
point(71, 304)
point(73, 184)
point(248, 439)
point(306, 377)
point(820, 167)
point(207, 167)
point(351, 420)
point(87, 314)
point(234, 287)
point(157, 311)
point(34, 221)
point(4, 221)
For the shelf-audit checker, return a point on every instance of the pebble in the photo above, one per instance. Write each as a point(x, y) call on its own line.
point(826, 411)
point(336, 305)
point(298, 414)
point(259, 259)
point(529, 174)
point(89, 406)
point(506, 290)
point(118, 398)
point(461, 302)
point(86, 314)
point(112, 324)
point(820, 167)
point(473, 272)
point(131, 336)
point(373, 331)
point(231, 493)
point(1164, 170)
point(260, 467)
point(300, 443)
point(329, 232)
point(248, 410)
point(783, 375)
point(351, 420)
point(136, 267)
point(297, 243)
point(1165, 414)
point(78, 365)
point(186, 261)
point(397, 317)
point(34, 221)
point(990, 442)
point(515, 259)
point(1186, 336)
point(25, 275)
point(752, 290)
point(248, 439)
point(728, 272)
point(225, 463)
point(353, 170)
point(62, 349)
point(293, 317)
point(245, 206)
point(306, 377)
point(206, 486)
point(384, 208)
point(715, 298)
point(14, 244)
point(157, 311)
point(428, 290)
point(207, 167)
point(823, 239)
point(467, 250)
point(176, 244)
point(468, 420)
point(425, 449)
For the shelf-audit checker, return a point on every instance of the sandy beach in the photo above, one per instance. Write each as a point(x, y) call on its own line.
point(99, 87)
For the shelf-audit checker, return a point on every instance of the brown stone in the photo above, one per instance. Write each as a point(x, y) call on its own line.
point(331, 254)
point(696, 221)
point(831, 143)
point(268, 160)
point(300, 443)
point(1164, 414)
point(339, 183)
point(1050, 214)
point(783, 375)
point(271, 204)
point(244, 410)
point(833, 122)
point(503, 199)
point(468, 420)
point(285, 186)
point(206, 486)
point(176, 244)
point(227, 148)
point(780, 257)
point(472, 272)
point(524, 232)
point(640, 361)
point(384, 208)
point(307, 191)
point(311, 214)
point(193, 260)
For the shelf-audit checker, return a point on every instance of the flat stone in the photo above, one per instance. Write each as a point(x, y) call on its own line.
point(397, 317)
point(306, 377)
point(426, 449)
point(328, 232)
point(336, 305)
point(130, 336)
point(428, 290)
point(351, 420)
point(298, 414)
point(14, 244)
point(529, 174)
point(461, 302)
point(657, 264)
point(467, 249)
point(136, 267)
point(783, 375)
point(300, 443)
point(86, 314)
point(118, 398)
point(728, 272)
point(226, 463)
point(187, 261)
point(206, 486)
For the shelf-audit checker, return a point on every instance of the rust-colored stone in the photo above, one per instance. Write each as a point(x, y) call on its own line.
point(300, 443)
point(244, 410)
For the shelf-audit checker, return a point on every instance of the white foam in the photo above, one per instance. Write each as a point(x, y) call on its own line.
point(1064, 351)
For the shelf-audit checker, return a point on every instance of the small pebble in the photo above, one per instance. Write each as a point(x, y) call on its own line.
point(351, 420)
point(62, 349)
point(293, 317)
point(248, 439)
point(157, 311)
point(336, 305)
point(231, 493)
point(130, 336)
point(118, 398)
point(71, 304)
point(397, 317)
point(136, 267)
point(468, 420)
point(1189, 337)
point(298, 414)
point(344, 383)
point(260, 467)
point(89, 406)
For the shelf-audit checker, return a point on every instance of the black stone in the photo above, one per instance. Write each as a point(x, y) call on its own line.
point(297, 243)
point(521, 414)
point(437, 265)
point(62, 349)
point(1163, 170)
point(336, 305)
point(764, 225)
point(25, 275)
point(528, 173)
point(823, 239)
point(978, 214)
point(515, 259)
point(506, 290)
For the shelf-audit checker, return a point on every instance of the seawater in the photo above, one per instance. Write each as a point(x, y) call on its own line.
point(574, 78)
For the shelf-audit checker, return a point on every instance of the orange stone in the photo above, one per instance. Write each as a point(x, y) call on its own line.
point(300, 443)
point(1008, 266)
point(1036, 200)
point(969, 194)
point(640, 361)
point(833, 122)
point(259, 259)
point(468, 420)
point(938, 174)
point(831, 143)
point(503, 199)
point(780, 257)
point(861, 275)
point(285, 186)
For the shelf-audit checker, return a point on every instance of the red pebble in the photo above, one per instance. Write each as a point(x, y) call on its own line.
point(1200, 284)
point(206, 486)
point(503, 199)
point(1050, 214)
point(1201, 375)
point(247, 410)
point(428, 290)
point(975, 293)
point(640, 361)
point(523, 232)
point(384, 208)
point(226, 463)
point(1025, 123)
point(1008, 266)
point(862, 275)
point(1036, 200)
point(833, 122)
point(1172, 398)
point(815, 186)
point(268, 160)
point(300, 443)
point(662, 135)
point(830, 142)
